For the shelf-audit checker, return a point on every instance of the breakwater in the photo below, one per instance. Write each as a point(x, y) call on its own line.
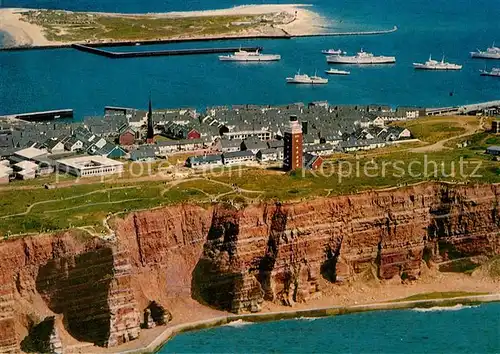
point(44, 115)
point(157, 53)
point(284, 35)
point(355, 33)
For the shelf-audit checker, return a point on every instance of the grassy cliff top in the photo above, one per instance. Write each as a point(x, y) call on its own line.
point(28, 207)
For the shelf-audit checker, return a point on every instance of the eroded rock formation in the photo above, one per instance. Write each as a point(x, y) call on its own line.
point(235, 259)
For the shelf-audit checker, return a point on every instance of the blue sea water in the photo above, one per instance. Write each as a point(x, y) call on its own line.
point(455, 330)
point(66, 78)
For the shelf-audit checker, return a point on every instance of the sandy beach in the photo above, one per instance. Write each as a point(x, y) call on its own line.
point(306, 22)
point(366, 293)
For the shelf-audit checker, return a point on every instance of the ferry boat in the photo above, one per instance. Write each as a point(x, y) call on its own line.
point(306, 79)
point(337, 72)
point(490, 53)
point(432, 64)
point(333, 52)
point(494, 72)
point(243, 55)
point(361, 57)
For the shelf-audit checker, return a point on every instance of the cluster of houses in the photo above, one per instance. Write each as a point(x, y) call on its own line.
point(221, 135)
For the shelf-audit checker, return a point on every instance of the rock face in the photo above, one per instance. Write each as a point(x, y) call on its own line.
point(279, 252)
point(84, 280)
point(236, 259)
point(43, 338)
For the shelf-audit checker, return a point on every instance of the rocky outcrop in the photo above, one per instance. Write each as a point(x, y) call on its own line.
point(235, 259)
point(43, 338)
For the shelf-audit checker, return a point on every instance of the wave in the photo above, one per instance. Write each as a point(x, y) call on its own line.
point(444, 308)
point(238, 323)
point(308, 318)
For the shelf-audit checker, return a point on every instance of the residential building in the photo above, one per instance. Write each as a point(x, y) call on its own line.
point(29, 153)
point(173, 146)
point(143, 153)
point(90, 166)
point(293, 146)
point(226, 145)
point(312, 162)
point(5, 173)
point(266, 155)
point(126, 135)
point(54, 145)
point(253, 144)
point(320, 149)
point(493, 150)
point(204, 161)
point(238, 157)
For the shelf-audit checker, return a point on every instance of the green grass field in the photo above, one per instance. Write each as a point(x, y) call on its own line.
point(434, 129)
point(80, 27)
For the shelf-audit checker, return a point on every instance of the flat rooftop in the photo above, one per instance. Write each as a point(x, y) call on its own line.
point(84, 162)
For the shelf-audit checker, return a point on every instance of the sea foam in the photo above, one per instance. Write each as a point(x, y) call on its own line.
point(238, 323)
point(444, 308)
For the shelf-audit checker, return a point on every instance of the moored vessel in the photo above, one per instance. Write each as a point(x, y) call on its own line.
point(361, 57)
point(243, 55)
point(432, 64)
point(492, 52)
point(493, 72)
point(306, 79)
point(337, 72)
point(333, 52)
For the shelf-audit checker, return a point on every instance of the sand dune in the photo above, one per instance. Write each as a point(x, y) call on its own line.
point(306, 21)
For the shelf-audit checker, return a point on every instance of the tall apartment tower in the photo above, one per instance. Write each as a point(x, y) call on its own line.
point(293, 146)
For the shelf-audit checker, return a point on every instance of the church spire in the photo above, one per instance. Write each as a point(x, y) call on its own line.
point(151, 133)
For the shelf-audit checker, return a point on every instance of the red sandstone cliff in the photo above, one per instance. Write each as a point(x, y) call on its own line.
point(235, 259)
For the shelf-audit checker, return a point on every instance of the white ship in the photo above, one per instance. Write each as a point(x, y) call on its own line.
point(243, 55)
point(360, 58)
point(333, 52)
point(337, 72)
point(432, 64)
point(306, 79)
point(490, 53)
point(493, 72)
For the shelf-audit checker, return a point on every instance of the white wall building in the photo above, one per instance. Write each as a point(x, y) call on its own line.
point(90, 166)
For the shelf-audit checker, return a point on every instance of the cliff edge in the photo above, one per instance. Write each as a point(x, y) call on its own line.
point(236, 258)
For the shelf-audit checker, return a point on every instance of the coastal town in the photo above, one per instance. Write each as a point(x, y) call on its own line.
point(216, 177)
point(240, 134)
point(220, 136)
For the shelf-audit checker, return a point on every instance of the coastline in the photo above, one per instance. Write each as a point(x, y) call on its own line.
point(170, 332)
point(306, 22)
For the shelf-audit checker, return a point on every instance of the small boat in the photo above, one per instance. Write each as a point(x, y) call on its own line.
point(494, 72)
point(337, 72)
point(432, 64)
point(243, 55)
point(333, 52)
point(306, 79)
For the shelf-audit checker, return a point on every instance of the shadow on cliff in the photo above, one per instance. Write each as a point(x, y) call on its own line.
point(78, 287)
point(212, 280)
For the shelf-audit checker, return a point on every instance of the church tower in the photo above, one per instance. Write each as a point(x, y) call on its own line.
point(293, 146)
point(151, 132)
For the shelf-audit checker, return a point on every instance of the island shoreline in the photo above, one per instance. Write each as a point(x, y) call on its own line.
point(170, 332)
point(306, 22)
